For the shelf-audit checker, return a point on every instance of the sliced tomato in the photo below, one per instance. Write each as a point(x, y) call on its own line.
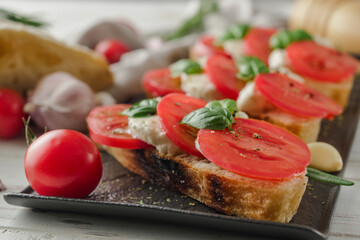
point(318, 62)
point(256, 43)
point(222, 73)
point(295, 97)
point(108, 127)
point(205, 47)
point(255, 149)
point(171, 110)
point(159, 82)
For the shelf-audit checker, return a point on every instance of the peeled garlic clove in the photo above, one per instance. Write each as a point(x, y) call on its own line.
point(61, 101)
point(104, 99)
point(325, 157)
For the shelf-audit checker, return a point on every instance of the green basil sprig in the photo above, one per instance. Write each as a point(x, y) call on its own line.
point(320, 176)
point(185, 66)
point(144, 108)
point(237, 31)
point(249, 67)
point(216, 115)
point(284, 37)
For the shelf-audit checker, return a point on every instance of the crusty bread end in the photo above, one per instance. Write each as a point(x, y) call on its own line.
point(27, 54)
point(217, 188)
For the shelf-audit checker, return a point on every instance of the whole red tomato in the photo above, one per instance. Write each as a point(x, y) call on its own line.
point(112, 49)
point(63, 163)
point(11, 113)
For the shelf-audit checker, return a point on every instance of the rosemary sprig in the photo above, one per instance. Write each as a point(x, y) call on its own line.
point(196, 22)
point(27, 20)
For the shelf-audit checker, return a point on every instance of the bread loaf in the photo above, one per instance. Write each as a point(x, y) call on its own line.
point(27, 54)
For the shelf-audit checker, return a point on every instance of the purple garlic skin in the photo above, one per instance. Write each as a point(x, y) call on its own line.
point(61, 101)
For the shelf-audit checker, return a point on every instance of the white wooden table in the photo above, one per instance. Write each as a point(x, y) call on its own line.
point(21, 223)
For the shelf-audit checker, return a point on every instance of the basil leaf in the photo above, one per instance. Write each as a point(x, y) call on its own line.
point(144, 108)
point(249, 67)
point(237, 31)
point(228, 104)
point(209, 118)
point(185, 66)
point(283, 38)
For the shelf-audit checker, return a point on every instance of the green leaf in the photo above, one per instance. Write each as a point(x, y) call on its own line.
point(196, 22)
point(185, 66)
point(209, 118)
point(228, 104)
point(27, 20)
point(284, 37)
point(237, 31)
point(144, 108)
point(320, 176)
point(249, 67)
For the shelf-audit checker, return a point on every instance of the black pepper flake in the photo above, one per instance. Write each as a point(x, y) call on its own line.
point(257, 149)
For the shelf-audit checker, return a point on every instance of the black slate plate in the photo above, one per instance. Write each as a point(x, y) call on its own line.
point(122, 193)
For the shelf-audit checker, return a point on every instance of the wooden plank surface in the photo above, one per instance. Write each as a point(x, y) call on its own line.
point(67, 17)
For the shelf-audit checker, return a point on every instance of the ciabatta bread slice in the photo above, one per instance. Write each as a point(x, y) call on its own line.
point(339, 92)
point(217, 188)
point(27, 54)
point(307, 129)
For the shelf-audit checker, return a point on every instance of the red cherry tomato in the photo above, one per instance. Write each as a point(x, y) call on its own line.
point(222, 73)
point(295, 97)
point(108, 127)
point(205, 47)
point(63, 163)
point(11, 113)
point(255, 149)
point(312, 60)
point(171, 110)
point(112, 49)
point(256, 43)
point(159, 82)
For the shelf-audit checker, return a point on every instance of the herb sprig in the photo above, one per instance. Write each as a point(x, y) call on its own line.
point(27, 20)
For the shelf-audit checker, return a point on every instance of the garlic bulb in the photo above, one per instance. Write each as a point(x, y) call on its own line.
point(60, 101)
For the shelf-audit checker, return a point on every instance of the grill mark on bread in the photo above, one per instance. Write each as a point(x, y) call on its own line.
point(166, 172)
point(216, 192)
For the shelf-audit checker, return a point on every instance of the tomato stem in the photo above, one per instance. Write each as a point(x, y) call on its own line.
point(29, 134)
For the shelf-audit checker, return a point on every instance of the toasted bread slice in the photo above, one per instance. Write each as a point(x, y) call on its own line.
point(339, 92)
point(305, 128)
point(27, 54)
point(217, 188)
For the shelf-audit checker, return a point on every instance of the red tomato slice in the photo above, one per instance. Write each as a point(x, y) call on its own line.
point(256, 43)
point(171, 110)
point(108, 127)
point(159, 82)
point(205, 47)
point(255, 149)
point(295, 97)
point(222, 73)
point(320, 63)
